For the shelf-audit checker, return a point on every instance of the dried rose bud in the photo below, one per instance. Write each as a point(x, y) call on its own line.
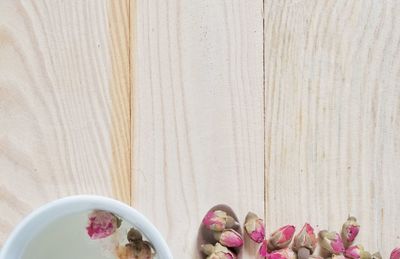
point(281, 238)
point(331, 242)
point(357, 252)
point(134, 235)
point(139, 250)
point(102, 224)
point(221, 252)
point(376, 255)
point(285, 253)
point(350, 230)
point(254, 227)
point(305, 238)
point(229, 238)
point(207, 249)
point(303, 253)
point(218, 220)
point(263, 251)
point(395, 253)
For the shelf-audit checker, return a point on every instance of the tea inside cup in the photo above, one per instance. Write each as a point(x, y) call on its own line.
point(95, 234)
point(85, 227)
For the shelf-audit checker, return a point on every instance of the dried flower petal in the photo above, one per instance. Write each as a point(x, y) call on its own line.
point(357, 252)
point(207, 249)
point(102, 224)
point(229, 238)
point(263, 251)
point(221, 255)
point(254, 227)
point(350, 230)
point(305, 238)
point(395, 253)
point(218, 220)
point(285, 253)
point(338, 257)
point(331, 242)
point(281, 238)
point(353, 251)
point(221, 252)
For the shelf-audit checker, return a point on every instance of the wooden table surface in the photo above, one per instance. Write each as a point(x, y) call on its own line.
point(290, 109)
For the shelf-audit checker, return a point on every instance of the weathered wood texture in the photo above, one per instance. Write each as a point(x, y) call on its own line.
point(172, 106)
point(197, 113)
point(332, 116)
point(64, 103)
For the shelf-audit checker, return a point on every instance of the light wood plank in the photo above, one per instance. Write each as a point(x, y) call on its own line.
point(332, 116)
point(197, 113)
point(64, 103)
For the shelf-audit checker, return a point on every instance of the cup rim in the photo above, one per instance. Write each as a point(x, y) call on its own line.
point(79, 203)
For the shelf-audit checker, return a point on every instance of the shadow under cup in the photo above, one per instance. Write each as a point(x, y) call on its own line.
point(59, 230)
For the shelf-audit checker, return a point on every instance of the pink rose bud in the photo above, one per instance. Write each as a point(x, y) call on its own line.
point(220, 252)
point(102, 224)
point(263, 251)
point(254, 227)
point(229, 238)
point(331, 242)
point(350, 230)
point(218, 220)
point(305, 238)
point(395, 253)
point(281, 238)
point(286, 253)
point(357, 252)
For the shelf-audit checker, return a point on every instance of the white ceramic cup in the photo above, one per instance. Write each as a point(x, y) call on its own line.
point(37, 220)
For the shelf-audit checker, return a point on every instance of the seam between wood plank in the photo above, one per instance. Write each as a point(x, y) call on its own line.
point(119, 50)
point(264, 106)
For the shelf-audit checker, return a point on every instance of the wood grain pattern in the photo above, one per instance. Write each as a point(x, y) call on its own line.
point(332, 116)
point(197, 113)
point(162, 104)
point(64, 103)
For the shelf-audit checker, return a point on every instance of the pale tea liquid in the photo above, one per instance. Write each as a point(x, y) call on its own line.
point(66, 238)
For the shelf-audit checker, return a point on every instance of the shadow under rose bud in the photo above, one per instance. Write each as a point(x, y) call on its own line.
point(229, 238)
point(281, 238)
point(350, 231)
point(331, 242)
point(254, 227)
